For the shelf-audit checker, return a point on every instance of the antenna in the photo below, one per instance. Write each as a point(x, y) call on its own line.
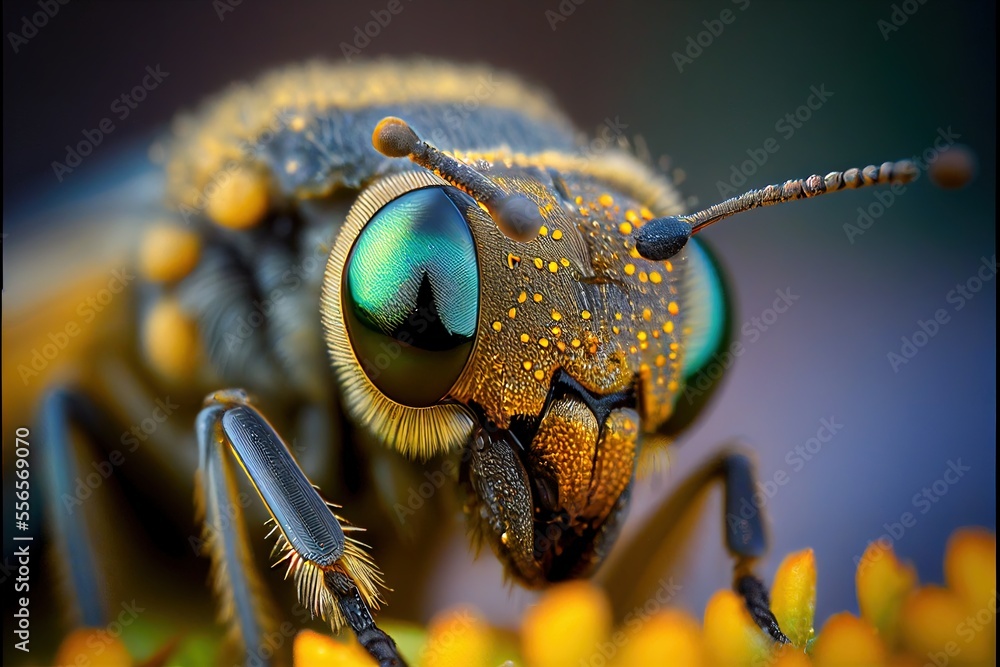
point(516, 215)
point(662, 238)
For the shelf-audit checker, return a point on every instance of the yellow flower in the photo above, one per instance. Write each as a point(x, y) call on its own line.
point(566, 627)
point(882, 583)
point(793, 596)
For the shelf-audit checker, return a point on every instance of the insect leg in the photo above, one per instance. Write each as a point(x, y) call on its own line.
point(633, 572)
point(62, 409)
point(335, 577)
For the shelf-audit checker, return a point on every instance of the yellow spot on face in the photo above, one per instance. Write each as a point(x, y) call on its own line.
point(668, 327)
point(646, 213)
point(553, 267)
point(643, 277)
point(631, 216)
point(578, 200)
point(512, 260)
point(168, 253)
point(641, 335)
point(643, 345)
point(606, 201)
point(675, 346)
point(527, 365)
point(660, 360)
point(655, 277)
point(543, 342)
point(625, 228)
point(537, 297)
point(556, 234)
point(543, 231)
point(575, 342)
point(656, 333)
point(585, 314)
point(539, 374)
point(629, 269)
point(633, 349)
point(539, 263)
point(511, 313)
point(556, 315)
point(616, 329)
point(556, 331)
point(647, 314)
point(240, 201)
point(522, 297)
point(673, 308)
point(497, 326)
point(564, 261)
point(618, 316)
point(298, 124)
point(170, 340)
point(525, 338)
point(669, 265)
point(673, 355)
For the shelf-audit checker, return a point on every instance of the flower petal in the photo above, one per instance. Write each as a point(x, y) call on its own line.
point(567, 626)
point(848, 640)
point(970, 567)
point(882, 583)
point(670, 633)
point(458, 637)
point(90, 646)
point(731, 635)
point(790, 656)
point(793, 596)
point(935, 622)
point(312, 649)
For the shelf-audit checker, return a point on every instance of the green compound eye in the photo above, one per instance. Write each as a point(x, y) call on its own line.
point(411, 295)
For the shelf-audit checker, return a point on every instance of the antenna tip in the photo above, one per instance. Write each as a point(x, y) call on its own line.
point(954, 167)
point(662, 238)
point(517, 217)
point(393, 137)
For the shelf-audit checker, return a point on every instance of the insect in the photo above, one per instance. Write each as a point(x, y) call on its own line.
point(470, 288)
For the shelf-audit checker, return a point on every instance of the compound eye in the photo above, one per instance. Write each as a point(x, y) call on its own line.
point(411, 295)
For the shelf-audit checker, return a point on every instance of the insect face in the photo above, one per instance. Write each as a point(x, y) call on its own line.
point(546, 360)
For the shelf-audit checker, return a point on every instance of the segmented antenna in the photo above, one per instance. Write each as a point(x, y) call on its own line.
point(516, 215)
point(662, 238)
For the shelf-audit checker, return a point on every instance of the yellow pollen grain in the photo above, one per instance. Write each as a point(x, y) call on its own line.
point(527, 365)
point(606, 200)
point(556, 331)
point(629, 269)
point(298, 124)
point(633, 253)
point(537, 297)
point(539, 263)
point(511, 313)
point(673, 308)
point(239, 202)
point(169, 253)
point(673, 385)
point(625, 228)
point(618, 316)
point(564, 261)
point(575, 342)
point(673, 355)
point(578, 200)
point(660, 360)
point(512, 260)
point(561, 345)
point(631, 216)
point(643, 277)
point(556, 315)
point(675, 346)
point(643, 345)
point(641, 335)
point(646, 213)
point(556, 234)
point(668, 327)
point(522, 297)
point(616, 329)
point(497, 326)
point(585, 314)
point(525, 338)
point(647, 314)
point(543, 231)
point(543, 342)
point(539, 374)
point(655, 277)
point(669, 265)
point(656, 333)
point(633, 349)
point(553, 267)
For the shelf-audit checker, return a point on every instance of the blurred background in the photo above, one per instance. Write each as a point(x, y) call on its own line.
point(895, 77)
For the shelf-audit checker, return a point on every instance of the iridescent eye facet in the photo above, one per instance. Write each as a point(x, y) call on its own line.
point(411, 295)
